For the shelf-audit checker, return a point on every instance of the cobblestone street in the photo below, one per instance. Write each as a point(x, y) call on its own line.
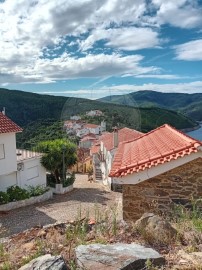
point(85, 196)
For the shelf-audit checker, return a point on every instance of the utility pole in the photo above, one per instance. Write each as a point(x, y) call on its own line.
point(63, 162)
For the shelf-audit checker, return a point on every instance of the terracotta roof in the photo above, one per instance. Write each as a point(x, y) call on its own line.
point(88, 138)
point(92, 135)
point(124, 134)
point(156, 147)
point(91, 126)
point(95, 148)
point(7, 125)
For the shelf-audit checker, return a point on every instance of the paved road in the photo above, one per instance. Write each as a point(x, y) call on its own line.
point(85, 196)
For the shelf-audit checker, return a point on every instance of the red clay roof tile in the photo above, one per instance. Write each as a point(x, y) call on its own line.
point(124, 134)
point(7, 125)
point(156, 147)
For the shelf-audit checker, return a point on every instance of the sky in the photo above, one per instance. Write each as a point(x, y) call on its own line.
point(96, 48)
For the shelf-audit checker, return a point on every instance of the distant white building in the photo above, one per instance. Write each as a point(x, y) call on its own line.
point(87, 141)
point(75, 117)
point(80, 132)
point(17, 167)
point(93, 113)
point(80, 128)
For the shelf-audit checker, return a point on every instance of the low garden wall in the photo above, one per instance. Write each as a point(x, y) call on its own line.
point(37, 199)
point(59, 189)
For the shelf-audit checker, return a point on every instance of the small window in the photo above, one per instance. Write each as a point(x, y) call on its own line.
point(2, 152)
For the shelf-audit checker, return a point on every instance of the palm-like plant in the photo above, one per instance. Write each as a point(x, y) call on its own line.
point(58, 156)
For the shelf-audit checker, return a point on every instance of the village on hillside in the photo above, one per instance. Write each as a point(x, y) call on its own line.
point(143, 174)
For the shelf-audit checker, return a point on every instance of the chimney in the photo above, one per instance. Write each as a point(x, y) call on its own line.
point(4, 111)
point(115, 137)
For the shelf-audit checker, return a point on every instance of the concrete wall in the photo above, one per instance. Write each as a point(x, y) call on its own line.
point(8, 160)
point(158, 193)
point(32, 173)
point(8, 180)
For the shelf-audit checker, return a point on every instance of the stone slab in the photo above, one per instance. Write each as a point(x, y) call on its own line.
point(46, 262)
point(116, 256)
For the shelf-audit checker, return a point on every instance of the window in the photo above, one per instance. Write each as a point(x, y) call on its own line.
point(2, 152)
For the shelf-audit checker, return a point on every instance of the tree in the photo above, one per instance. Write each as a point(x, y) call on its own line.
point(58, 156)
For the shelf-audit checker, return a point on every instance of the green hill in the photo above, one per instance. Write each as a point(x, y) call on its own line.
point(189, 104)
point(36, 113)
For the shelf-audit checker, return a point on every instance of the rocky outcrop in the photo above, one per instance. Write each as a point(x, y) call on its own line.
point(116, 256)
point(156, 228)
point(46, 262)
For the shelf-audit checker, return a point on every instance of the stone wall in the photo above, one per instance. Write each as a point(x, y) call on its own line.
point(159, 193)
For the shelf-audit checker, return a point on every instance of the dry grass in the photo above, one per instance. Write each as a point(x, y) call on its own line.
point(101, 227)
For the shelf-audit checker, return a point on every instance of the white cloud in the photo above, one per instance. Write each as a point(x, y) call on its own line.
point(67, 67)
point(125, 38)
point(192, 87)
point(180, 13)
point(160, 76)
point(28, 29)
point(190, 51)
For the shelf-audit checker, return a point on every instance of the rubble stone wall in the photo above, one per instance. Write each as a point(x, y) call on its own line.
point(160, 192)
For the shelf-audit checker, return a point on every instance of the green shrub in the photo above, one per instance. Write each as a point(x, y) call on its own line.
point(69, 181)
point(4, 197)
point(16, 193)
point(51, 181)
point(36, 191)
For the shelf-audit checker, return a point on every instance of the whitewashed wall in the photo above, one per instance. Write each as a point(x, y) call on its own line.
point(8, 161)
point(8, 180)
point(32, 173)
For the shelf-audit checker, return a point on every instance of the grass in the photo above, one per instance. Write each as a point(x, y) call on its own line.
point(98, 226)
point(191, 217)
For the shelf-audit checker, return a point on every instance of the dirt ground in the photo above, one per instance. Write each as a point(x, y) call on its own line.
point(85, 197)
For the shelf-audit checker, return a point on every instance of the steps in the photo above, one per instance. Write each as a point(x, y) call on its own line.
point(98, 174)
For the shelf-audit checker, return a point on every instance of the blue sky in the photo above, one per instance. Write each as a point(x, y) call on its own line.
point(93, 48)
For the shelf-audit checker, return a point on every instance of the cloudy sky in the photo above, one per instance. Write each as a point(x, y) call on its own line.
point(93, 48)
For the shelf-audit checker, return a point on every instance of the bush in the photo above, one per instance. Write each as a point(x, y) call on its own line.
point(69, 181)
point(16, 193)
point(36, 191)
point(51, 180)
point(4, 197)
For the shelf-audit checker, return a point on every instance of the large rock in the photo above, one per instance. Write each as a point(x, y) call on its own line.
point(46, 262)
point(116, 257)
point(156, 228)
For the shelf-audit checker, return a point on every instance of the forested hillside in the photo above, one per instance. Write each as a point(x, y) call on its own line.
point(189, 104)
point(41, 115)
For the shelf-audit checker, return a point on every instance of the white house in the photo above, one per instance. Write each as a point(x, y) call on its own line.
point(17, 167)
point(93, 113)
point(75, 117)
point(87, 141)
point(108, 143)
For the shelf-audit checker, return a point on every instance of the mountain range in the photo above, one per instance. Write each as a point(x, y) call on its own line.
point(37, 113)
point(188, 104)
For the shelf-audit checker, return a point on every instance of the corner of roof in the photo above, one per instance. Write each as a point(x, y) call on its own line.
point(183, 135)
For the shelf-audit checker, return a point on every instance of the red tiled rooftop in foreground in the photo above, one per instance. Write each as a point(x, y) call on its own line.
point(124, 134)
point(156, 147)
point(7, 125)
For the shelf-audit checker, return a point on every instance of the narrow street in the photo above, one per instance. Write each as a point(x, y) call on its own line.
point(86, 197)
